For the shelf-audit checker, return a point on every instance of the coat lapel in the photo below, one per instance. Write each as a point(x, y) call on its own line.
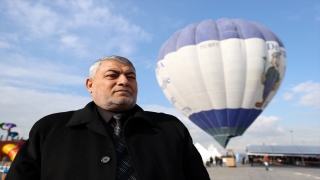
point(97, 126)
point(87, 116)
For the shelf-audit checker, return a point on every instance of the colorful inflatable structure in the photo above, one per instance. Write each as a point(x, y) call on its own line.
point(9, 147)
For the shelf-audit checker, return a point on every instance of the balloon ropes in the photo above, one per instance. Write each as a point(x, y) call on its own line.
point(221, 74)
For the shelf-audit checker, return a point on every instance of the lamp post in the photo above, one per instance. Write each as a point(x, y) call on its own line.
point(292, 137)
point(292, 145)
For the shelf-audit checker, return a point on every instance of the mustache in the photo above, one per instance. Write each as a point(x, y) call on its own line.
point(127, 89)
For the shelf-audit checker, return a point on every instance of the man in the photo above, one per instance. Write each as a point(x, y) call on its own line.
point(266, 162)
point(271, 79)
point(251, 160)
point(216, 159)
point(211, 161)
point(91, 143)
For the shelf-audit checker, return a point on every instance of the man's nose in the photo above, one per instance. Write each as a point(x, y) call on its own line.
point(123, 80)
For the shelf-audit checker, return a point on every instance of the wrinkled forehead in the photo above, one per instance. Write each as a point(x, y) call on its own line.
point(116, 65)
point(118, 59)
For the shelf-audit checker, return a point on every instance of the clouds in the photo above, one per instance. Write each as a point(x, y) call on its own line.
point(75, 44)
point(36, 73)
point(287, 96)
point(37, 18)
point(69, 26)
point(310, 12)
point(5, 45)
point(306, 94)
point(264, 129)
point(24, 106)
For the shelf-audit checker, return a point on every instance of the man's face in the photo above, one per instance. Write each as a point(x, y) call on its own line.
point(275, 61)
point(114, 87)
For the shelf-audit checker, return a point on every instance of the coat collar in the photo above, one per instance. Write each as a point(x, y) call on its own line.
point(139, 113)
point(88, 116)
point(83, 116)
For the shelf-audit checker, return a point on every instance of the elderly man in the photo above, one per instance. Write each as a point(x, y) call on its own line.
point(110, 138)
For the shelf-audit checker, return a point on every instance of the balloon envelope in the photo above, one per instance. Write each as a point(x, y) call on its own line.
point(221, 74)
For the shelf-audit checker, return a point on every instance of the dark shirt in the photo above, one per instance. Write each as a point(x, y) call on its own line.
point(106, 117)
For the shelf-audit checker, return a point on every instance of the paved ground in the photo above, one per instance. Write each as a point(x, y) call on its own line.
point(258, 172)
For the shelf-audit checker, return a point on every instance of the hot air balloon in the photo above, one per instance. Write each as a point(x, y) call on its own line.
point(221, 74)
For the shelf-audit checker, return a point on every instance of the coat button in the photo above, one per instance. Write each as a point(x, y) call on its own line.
point(105, 159)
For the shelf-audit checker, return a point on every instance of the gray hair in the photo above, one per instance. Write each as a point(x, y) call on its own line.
point(95, 65)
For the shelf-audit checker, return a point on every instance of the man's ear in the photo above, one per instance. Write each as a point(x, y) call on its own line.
point(89, 84)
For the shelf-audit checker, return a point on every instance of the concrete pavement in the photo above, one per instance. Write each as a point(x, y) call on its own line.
point(258, 172)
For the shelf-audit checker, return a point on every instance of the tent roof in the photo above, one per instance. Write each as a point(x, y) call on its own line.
point(283, 150)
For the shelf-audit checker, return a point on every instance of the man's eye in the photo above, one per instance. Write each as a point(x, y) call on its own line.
point(131, 77)
point(112, 75)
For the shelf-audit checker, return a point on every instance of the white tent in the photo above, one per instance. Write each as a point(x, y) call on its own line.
point(213, 151)
point(203, 152)
point(207, 153)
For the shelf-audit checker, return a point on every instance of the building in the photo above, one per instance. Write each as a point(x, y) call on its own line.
point(286, 155)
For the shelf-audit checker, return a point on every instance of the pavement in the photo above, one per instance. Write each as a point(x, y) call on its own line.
point(258, 172)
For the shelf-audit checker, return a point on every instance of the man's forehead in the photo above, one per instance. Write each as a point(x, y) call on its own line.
point(114, 65)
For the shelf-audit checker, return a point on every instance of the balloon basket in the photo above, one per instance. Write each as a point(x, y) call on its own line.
point(230, 158)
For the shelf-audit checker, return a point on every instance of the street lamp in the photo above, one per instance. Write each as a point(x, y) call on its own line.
point(292, 137)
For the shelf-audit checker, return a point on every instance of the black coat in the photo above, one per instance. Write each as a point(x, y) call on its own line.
point(75, 145)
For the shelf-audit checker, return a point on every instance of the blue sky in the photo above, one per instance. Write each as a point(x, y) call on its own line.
point(47, 47)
